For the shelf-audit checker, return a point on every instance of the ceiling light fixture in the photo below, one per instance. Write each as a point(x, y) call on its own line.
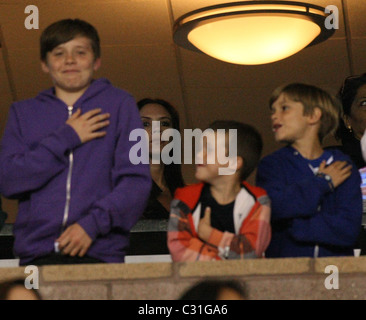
point(252, 32)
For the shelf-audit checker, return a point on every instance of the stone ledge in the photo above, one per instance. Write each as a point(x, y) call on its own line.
point(12, 273)
point(156, 270)
point(74, 291)
point(92, 272)
point(246, 267)
point(279, 279)
point(344, 264)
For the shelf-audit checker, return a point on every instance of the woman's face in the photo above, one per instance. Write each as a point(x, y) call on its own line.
point(155, 112)
point(357, 117)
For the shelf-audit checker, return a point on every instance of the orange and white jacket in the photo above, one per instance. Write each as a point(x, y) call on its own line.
point(251, 221)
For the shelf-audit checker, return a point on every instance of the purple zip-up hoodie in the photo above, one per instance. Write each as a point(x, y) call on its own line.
point(107, 193)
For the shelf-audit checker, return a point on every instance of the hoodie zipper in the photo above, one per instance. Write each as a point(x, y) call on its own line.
point(68, 181)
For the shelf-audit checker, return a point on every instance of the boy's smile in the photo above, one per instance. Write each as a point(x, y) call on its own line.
point(71, 65)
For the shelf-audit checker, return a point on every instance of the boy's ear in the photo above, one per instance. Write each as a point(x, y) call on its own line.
point(97, 64)
point(316, 115)
point(239, 163)
point(44, 67)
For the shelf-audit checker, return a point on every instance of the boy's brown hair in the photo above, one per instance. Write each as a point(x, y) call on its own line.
point(313, 97)
point(249, 144)
point(65, 30)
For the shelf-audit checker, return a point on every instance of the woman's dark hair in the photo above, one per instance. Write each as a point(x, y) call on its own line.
point(65, 30)
point(347, 95)
point(172, 172)
point(211, 289)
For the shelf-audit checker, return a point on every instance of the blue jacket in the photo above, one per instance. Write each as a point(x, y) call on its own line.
point(308, 218)
point(107, 192)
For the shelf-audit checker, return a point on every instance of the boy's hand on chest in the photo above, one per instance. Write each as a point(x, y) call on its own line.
point(204, 229)
point(87, 125)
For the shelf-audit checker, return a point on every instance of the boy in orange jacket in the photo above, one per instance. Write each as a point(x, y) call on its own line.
point(222, 217)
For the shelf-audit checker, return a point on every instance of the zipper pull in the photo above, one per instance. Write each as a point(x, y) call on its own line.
point(70, 108)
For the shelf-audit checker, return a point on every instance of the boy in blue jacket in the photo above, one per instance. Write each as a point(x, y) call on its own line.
point(315, 193)
point(65, 156)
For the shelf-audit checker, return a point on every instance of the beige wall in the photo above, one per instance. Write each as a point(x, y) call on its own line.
point(283, 279)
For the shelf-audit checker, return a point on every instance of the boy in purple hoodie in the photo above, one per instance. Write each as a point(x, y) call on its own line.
point(65, 157)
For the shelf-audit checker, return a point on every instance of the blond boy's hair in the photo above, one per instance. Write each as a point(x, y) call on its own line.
point(313, 97)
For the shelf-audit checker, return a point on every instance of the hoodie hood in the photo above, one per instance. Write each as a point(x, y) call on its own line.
point(95, 88)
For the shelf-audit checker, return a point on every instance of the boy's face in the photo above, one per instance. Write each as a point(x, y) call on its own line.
point(289, 123)
point(208, 171)
point(71, 65)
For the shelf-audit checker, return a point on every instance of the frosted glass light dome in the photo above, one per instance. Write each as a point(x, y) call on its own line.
point(252, 32)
